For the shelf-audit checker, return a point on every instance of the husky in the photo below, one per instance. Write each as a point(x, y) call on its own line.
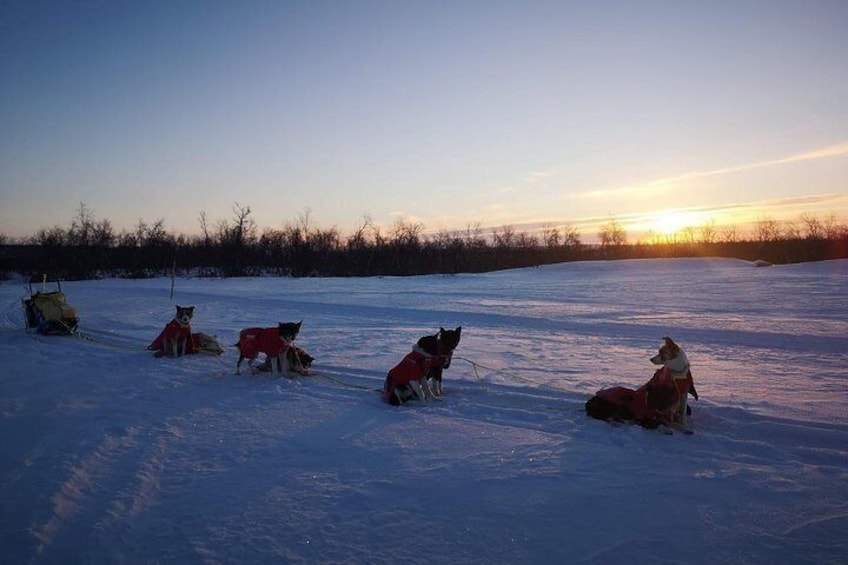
point(273, 342)
point(176, 339)
point(419, 374)
point(440, 344)
point(672, 357)
point(292, 360)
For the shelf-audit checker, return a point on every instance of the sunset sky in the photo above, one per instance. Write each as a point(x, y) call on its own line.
point(447, 113)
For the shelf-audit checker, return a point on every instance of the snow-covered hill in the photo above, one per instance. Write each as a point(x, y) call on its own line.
point(112, 456)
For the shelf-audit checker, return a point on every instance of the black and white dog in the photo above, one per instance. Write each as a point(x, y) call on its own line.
point(281, 355)
point(441, 345)
point(419, 374)
point(175, 339)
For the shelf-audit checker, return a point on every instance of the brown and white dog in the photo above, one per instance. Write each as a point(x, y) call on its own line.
point(275, 343)
point(672, 357)
point(176, 339)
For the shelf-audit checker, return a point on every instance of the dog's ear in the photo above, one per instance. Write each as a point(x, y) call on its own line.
point(297, 325)
point(458, 330)
point(673, 348)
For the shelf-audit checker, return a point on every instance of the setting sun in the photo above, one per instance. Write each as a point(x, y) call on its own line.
point(669, 222)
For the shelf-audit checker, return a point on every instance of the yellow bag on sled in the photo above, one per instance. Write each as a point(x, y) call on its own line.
point(49, 313)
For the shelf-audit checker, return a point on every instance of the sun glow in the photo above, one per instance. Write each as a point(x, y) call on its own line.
point(670, 222)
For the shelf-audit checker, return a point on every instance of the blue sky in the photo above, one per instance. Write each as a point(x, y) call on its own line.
point(444, 113)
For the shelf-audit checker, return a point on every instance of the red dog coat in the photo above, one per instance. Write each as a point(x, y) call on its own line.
point(411, 368)
point(253, 341)
point(174, 331)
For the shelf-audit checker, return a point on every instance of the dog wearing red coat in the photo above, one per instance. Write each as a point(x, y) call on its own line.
point(176, 339)
point(419, 374)
point(659, 403)
point(677, 371)
point(274, 342)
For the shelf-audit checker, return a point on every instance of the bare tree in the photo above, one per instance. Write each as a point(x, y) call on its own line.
point(526, 241)
point(474, 236)
point(792, 230)
point(767, 229)
point(708, 232)
point(688, 234)
point(504, 237)
point(443, 239)
point(325, 240)
point(304, 222)
point(377, 237)
point(812, 225)
point(244, 228)
point(407, 233)
point(103, 235)
point(571, 237)
point(730, 234)
point(831, 227)
point(82, 226)
point(51, 237)
point(551, 236)
point(204, 229)
point(140, 232)
point(612, 234)
point(156, 236)
point(359, 238)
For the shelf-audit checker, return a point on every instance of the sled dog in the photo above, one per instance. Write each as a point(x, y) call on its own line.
point(440, 344)
point(419, 374)
point(274, 342)
point(175, 340)
point(672, 357)
point(292, 360)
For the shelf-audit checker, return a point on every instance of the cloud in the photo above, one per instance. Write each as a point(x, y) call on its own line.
point(829, 151)
point(538, 178)
point(656, 186)
point(741, 214)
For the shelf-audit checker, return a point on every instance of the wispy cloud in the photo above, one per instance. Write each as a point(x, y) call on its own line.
point(652, 187)
point(740, 214)
point(534, 180)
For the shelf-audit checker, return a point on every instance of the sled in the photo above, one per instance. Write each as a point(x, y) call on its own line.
point(48, 313)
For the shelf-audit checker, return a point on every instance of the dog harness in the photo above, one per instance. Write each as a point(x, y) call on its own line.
point(684, 383)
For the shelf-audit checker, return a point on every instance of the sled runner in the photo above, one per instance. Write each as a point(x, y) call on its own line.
point(48, 313)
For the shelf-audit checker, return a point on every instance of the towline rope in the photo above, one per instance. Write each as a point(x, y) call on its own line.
point(345, 384)
point(475, 365)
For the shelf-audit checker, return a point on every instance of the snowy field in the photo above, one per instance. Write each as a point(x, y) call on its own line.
point(110, 455)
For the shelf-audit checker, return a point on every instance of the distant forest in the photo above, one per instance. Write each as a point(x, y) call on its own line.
point(90, 248)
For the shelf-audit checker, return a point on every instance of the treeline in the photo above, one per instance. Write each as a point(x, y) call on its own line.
point(91, 248)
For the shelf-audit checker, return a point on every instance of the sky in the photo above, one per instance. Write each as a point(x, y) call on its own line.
point(445, 113)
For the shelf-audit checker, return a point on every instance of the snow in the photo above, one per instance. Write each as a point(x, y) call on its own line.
point(113, 456)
